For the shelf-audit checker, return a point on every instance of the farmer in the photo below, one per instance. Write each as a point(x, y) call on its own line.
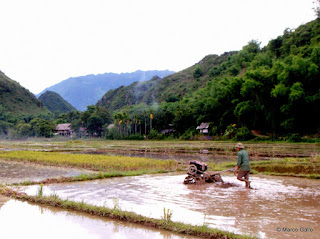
point(243, 165)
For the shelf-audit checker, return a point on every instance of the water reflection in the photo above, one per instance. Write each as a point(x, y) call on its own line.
point(276, 202)
point(16, 172)
point(23, 220)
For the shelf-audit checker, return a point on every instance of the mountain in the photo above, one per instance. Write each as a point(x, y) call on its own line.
point(213, 68)
point(55, 103)
point(16, 99)
point(87, 90)
point(170, 88)
point(274, 89)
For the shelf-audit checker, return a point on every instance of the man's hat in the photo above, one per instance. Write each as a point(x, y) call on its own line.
point(239, 145)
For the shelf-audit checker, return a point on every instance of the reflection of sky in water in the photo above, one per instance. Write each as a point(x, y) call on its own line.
point(22, 220)
point(277, 201)
point(15, 172)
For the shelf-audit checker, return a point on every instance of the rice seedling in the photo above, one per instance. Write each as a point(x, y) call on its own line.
point(167, 214)
point(116, 205)
point(40, 191)
point(103, 163)
point(54, 196)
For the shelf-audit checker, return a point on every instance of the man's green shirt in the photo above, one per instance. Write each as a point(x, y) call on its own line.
point(243, 161)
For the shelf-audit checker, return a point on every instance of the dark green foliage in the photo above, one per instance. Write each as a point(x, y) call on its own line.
point(197, 73)
point(55, 103)
point(154, 134)
point(18, 108)
point(243, 134)
point(136, 137)
point(18, 100)
point(41, 128)
point(95, 119)
point(293, 138)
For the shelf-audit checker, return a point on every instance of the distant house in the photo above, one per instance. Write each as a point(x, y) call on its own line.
point(64, 130)
point(203, 128)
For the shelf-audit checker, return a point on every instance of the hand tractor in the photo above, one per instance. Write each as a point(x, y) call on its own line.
point(197, 174)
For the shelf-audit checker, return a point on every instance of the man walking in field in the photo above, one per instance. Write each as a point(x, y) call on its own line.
point(243, 165)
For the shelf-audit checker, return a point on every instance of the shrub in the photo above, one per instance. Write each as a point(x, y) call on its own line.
point(153, 134)
point(294, 138)
point(197, 73)
point(136, 137)
point(187, 134)
point(243, 134)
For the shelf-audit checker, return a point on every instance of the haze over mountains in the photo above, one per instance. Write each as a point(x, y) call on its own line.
point(171, 88)
point(88, 90)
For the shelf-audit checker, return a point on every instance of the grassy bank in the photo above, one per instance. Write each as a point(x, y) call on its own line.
point(118, 214)
point(103, 163)
point(295, 167)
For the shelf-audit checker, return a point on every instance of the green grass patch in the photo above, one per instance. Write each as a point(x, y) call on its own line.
point(103, 163)
point(221, 166)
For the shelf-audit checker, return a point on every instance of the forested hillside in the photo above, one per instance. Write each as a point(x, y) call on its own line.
point(87, 90)
point(16, 99)
point(55, 103)
point(21, 113)
point(171, 88)
point(275, 89)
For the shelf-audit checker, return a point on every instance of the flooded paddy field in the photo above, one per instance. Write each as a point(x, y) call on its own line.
point(24, 220)
point(18, 172)
point(278, 207)
point(214, 151)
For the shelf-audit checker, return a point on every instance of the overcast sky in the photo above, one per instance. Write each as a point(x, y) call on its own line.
point(43, 42)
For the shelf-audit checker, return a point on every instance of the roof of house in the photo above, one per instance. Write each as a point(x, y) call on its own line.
point(63, 126)
point(203, 126)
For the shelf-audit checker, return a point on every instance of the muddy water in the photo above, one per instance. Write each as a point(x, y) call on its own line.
point(278, 203)
point(35, 222)
point(15, 172)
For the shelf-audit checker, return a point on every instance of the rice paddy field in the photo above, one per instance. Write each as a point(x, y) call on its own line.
point(175, 149)
point(59, 162)
point(295, 159)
